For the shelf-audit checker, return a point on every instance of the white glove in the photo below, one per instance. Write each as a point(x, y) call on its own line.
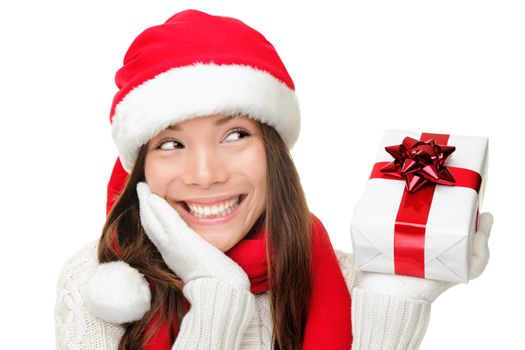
point(426, 289)
point(184, 251)
point(217, 288)
point(118, 293)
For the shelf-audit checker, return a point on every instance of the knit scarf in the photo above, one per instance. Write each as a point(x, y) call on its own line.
point(328, 324)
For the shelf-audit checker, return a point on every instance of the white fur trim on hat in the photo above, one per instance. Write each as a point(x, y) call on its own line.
point(118, 293)
point(199, 90)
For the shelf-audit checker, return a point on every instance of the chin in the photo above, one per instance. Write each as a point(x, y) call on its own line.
point(223, 247)
point(218, 242)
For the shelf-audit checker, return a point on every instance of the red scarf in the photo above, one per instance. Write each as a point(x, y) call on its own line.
point(329, 319)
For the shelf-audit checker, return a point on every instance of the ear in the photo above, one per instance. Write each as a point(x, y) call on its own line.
point(117, 293)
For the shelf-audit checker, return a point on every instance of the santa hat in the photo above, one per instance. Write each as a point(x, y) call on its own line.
point(197, 64)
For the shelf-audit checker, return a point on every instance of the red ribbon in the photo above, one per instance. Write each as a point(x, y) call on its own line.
point(412, 215)
point(420, 162)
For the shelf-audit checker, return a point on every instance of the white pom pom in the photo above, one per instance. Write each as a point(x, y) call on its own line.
point(118, 293)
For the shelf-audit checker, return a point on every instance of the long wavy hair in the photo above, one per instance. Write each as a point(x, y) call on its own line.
point(287, 221)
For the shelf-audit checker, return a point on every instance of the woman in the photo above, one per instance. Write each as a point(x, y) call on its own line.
point(209, 243)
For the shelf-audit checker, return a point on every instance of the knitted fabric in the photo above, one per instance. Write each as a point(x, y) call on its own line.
point(393, 323)
point(328, 307)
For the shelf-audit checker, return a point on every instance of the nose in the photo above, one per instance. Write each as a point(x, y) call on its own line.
point(205, 169)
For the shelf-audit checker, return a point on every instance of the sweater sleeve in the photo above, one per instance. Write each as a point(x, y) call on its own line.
point(218, 317)
point(381, 321)
point(75, 327)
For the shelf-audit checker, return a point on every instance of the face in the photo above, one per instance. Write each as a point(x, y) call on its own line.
point(212, 171)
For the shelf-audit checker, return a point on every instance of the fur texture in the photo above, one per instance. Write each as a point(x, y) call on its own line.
point(118, 293)
point(199, 90)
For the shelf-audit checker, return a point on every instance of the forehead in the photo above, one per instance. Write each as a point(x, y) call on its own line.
point(216, 120)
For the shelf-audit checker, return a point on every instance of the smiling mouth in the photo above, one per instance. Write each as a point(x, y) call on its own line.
point(213, 211)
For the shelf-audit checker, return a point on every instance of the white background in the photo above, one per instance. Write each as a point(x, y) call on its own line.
point(359, 68)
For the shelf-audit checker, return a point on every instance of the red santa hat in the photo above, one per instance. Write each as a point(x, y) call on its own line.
point(197, 64)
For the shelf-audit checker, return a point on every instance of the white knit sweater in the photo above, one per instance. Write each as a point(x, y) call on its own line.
point(379, 321)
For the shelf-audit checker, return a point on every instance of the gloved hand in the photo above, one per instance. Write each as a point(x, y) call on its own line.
point(118, 293)
point(217, 288)
point(184, 251)
point(426, 289)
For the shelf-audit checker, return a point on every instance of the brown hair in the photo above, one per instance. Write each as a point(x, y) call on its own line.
point(288, 225)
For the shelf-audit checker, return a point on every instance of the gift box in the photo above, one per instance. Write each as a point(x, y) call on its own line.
point(420, 207)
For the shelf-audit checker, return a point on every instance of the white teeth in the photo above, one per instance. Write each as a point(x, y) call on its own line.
point(222, 209)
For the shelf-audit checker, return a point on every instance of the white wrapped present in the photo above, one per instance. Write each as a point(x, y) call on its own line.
point(428, 232)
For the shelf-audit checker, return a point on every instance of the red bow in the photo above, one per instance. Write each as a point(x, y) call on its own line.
point(420, 162)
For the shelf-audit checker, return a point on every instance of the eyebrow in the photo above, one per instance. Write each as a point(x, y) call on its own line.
point(215, 123)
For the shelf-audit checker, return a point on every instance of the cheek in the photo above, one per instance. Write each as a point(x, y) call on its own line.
point(260, 178)
point(158, 175)
point(257, 172)
point(261, 168)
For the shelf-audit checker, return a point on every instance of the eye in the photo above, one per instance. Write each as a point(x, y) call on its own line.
point(169, 145)
point(238, 134)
